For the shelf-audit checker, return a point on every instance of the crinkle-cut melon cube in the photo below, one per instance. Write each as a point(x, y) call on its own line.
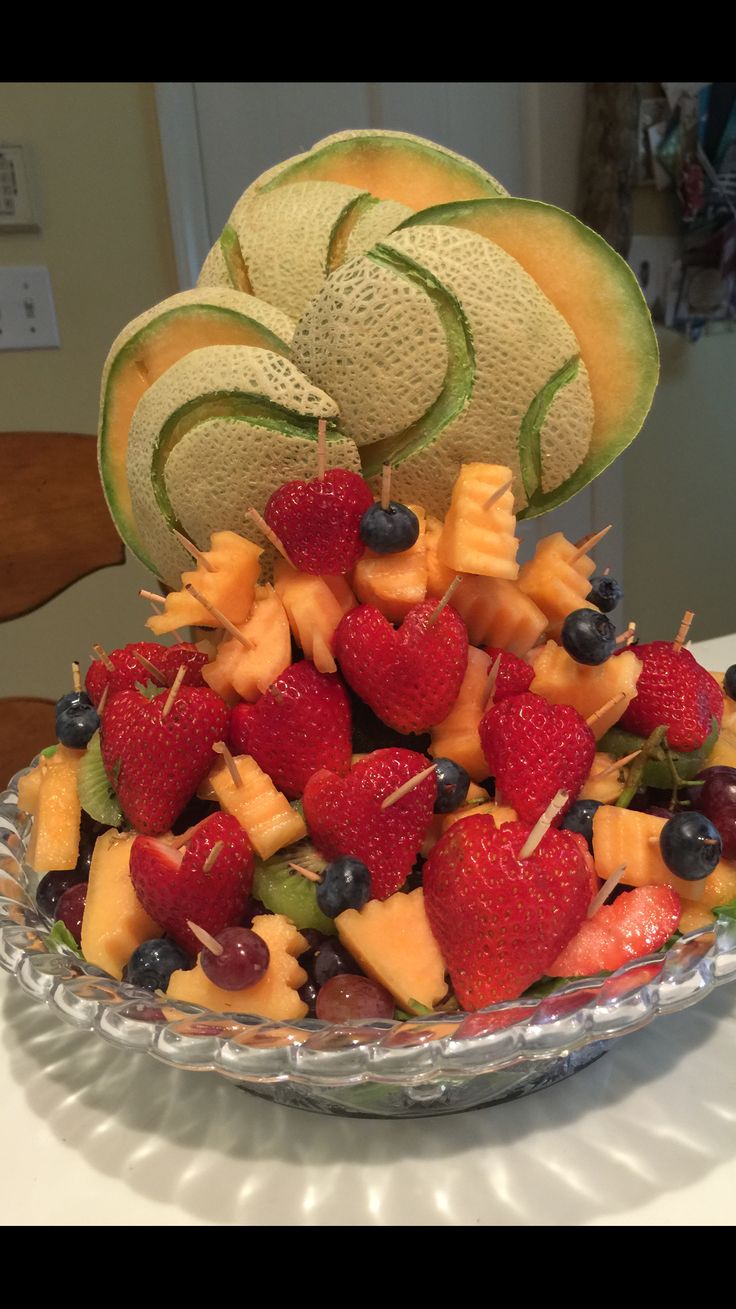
point(500, 813)
point(54, 839)
point(456, 737)
point(723, 753)
point(115, 922)
point(475, 539)
point(230, 586)
point(275, 996)
point(605, 789)
point(694, 915)
point(560, 679)
point(239, 672)
point(265, 813)
point(439, 575)
point(30, 784)
point(393, 943)
point(555, 585)
point(497, 613)
point(626, 836)
point(314, 607)
point(394, 582)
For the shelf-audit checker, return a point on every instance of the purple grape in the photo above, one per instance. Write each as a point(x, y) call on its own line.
point(346, 998)
point(244, 959)
point(308, 994)
point(253, 909)
point(717, 800)
point(53, 886)
point(330, 959)
point(70, 909)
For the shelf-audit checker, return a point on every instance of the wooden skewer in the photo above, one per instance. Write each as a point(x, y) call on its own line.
point(103, 701)
point(685, 625)
point(543, 824)
point(220, 748)
point(76, 675)
point(222, 619)
point(186, 837)
point(449, 593)
point(104, 658)
point(492, 499)
point(606, 572)
point(150, 668)
point(628, 635)
point(615, 699)
point(305, 872)
point(385, 486)
point(608, 886)
point(615, 767)
point(171, 697)
point(213, 856)
point(403, 790)
point(321, 447)
point(492, 679)
point(270, 535)
point(153, 596)
point(193, 550)
point(588, 543)
point(204, 937)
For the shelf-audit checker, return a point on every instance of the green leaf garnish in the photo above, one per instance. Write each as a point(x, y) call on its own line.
point(727, 911)
point(60, 937)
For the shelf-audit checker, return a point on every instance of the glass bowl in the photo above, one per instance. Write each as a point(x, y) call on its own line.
point(375, 1069)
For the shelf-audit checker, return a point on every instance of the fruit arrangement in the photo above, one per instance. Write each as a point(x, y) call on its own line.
point(394, 772)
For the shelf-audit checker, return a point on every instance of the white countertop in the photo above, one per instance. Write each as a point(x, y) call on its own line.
point(99, 1136)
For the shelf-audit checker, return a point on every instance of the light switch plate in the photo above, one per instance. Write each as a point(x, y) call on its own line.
point(17, 208)
point(27, 314)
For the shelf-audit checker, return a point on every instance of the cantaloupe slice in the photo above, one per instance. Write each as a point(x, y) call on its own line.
point(456, 737)
point(393, 943)
point(275, 996)
point(605, 789)
point(624, 836)
point(54, 839)
point(268, 818)
point(228, 583)
point(500, 813)
point(143, 351)
point(719, 888)
point(394, 582)
point(239, 672)
point(439, 576)
point(556, 585)
point(29, 787)
point(475, 539)
point(314, 606)
point(115, 922)
point(596, 292)
point(216, 434)
point(497, 613)
point(560, 679)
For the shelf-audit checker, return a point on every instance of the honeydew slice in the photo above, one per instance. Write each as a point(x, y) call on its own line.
point(597, 293)
point(143, 351)
point(271, 412)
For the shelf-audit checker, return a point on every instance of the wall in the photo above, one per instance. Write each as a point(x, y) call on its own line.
point(105, 238)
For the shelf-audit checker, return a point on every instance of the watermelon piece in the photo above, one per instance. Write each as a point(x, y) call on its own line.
point(638, 923)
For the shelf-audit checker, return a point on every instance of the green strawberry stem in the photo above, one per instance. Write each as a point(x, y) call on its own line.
point(652, 744)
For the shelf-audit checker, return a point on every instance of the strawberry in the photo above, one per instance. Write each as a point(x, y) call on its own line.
point(535, 749)
point(410, 678)
point(318, 522)
point(344, 815)
point(172, 885)
point(514, 676)
point(635, 924)
point(126, 671)
point(301, 724)
point(155, 764)
point(172, 656)
point(673, 690)
point(500, 920)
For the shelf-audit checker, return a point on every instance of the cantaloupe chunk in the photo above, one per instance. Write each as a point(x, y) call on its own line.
point(394, 582)
point(456, 737)
point(30, 784)
point(555, 585)
point(264, 812)
point(624, 836)
point(239, 672)
point(314, 607)
point(605, 789)
point(54, 839)
point(475, 539)
point(500, 813)
point(694, 915)
point(229, 584)
point(560, 679)
point(115, 922)
point(497, 613)
point(477, 801)
point(275, 996)
point(393, 943)
point(439, 575)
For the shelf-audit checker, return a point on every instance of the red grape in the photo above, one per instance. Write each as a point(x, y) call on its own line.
point(717, 800)
point(346, 998)
point(70, 909)
point(244, 959)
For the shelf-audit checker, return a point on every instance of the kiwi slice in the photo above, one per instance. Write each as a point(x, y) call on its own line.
point(285, 892)
point(96, 796)
point(658, 770)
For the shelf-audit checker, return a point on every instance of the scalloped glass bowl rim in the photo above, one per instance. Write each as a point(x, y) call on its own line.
point(256, 1051)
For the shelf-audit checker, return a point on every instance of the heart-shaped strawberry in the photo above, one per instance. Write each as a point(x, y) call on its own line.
point(409, 677)
point(318, 522)
point(535, 749)
point(501, 921)
point(156, 761)
point(344, 815)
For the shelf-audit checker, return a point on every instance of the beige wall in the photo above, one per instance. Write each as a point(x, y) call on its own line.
point(106, 241)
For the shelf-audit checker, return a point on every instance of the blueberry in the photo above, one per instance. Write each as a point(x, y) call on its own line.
point(452, 786)
point(690, 846)
point(589, 637)
point(72, 700)
point(387, 531)
point(330, 959)
point(152, 964)
point(605, 592)
point(729, 681)
point(346, 884)
point(76, 727)
point(579, 818)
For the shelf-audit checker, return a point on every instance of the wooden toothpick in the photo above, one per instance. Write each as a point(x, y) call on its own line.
point(543, 824)
point(385, 486)
point(321, 447)
point(76, 676)
point(608, 887)
point(305, 872)
point(449, 593)
point(587, 543)
point(204, 937)
point(153, 596)
point(492, 679)
point(103, 701)
point(492, 499)
point(616, 765)
point(270, 535)
point(406, 788)
point(222, 619)
point(171, 697)
point(685, 625)
point(615, 699)
point(153, 672)
point(194, 551)
point(104, 658)
point(627, 636)
point(212, 857)
point(220, 748)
